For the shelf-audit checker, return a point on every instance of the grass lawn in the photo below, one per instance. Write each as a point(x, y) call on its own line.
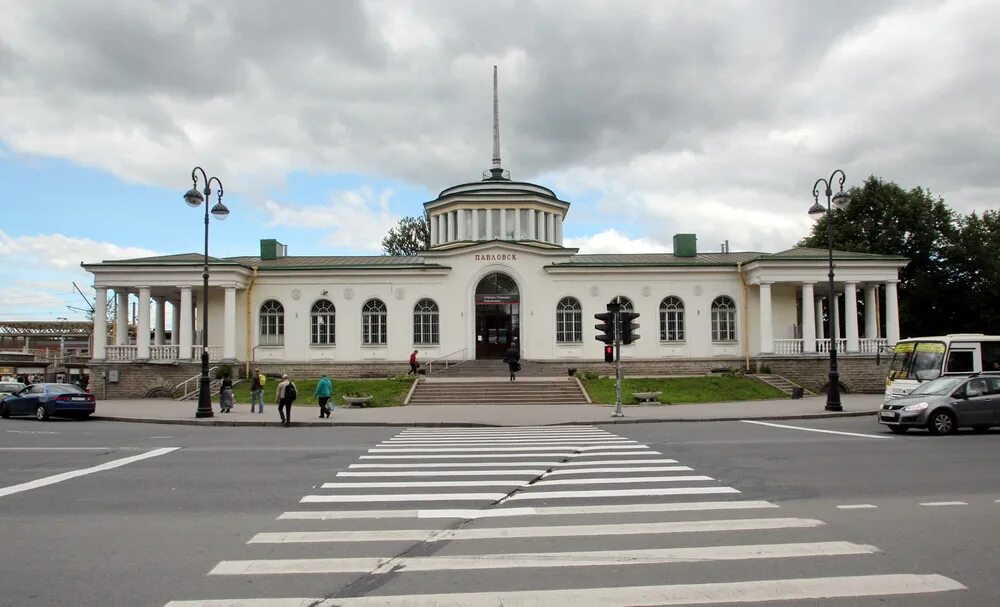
point(388, 392)
point(707, 389)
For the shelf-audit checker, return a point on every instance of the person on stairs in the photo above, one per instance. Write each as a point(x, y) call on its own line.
point(513, 359)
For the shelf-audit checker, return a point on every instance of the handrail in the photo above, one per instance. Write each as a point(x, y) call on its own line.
point(446, 359)
point(182, 386)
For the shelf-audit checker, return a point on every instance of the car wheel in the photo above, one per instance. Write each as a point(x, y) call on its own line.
point(41, 413)
point(4, 412)
point(942, 422)
point(981, 429)
point(898, 429)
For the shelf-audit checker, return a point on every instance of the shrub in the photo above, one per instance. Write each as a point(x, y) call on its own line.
point(586, 375)
point(223, 371)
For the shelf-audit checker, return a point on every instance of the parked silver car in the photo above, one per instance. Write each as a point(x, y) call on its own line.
point(945, 404)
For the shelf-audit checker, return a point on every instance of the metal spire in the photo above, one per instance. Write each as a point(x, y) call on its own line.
point(496, 123)
point(496, 173)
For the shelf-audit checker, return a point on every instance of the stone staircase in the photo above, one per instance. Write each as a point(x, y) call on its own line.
point(498, 368)
point(482, 391)
point(779, 382)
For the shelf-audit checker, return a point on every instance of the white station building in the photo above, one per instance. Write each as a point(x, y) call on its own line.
point(496, 271)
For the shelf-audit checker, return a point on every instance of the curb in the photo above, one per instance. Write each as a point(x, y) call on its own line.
point(260, 424)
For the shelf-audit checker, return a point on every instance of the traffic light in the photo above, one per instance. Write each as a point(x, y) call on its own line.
point(628, 327)
point(609, 354)
point(606, 327)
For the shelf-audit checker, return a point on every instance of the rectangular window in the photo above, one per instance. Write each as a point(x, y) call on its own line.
point(495, 231)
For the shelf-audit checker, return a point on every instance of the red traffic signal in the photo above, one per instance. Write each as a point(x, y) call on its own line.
point(609, 354)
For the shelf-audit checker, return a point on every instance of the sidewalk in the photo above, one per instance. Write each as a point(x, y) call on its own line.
point(164, 411)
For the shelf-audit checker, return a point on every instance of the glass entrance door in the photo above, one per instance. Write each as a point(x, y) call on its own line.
point(497, 307)
point(493, 335)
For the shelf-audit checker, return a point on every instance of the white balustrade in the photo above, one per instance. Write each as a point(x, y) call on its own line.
point(873, 345)
point(214, 352)
point(823, 345)
point(164, 352)
point(121, 352)
point(787, 346)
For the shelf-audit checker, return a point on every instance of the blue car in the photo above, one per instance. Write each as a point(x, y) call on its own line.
point(47, 400)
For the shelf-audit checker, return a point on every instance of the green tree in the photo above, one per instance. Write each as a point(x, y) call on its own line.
point(410, 236)
point(885, 219)
point(975, 274)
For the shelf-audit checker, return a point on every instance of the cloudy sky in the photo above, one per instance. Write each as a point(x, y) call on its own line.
point(329, 121)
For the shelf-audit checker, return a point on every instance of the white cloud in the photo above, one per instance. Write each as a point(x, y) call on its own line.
point(613, 241)
point(356, 219)
point(59, 252)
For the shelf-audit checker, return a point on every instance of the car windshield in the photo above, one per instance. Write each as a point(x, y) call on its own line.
point(10, 388)
point(939, 386)
point(63, 389)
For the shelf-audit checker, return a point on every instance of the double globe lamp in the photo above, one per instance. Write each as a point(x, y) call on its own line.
point(833, 201)
point(194, 198)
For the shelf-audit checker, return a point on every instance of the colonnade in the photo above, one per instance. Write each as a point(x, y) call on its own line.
point(186, 315)
point(501, 224)
point(814, 327)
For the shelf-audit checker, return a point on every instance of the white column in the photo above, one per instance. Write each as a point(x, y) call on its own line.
point(891, 313)
point(489, 224)
point(766, 328)
point(442, 219)
point(532, 225)
point(517, 224)
point(871, 309)
point(808, 318)
point(434, 230)
point(559, 235)
point(453, 226)
point(475, 224)
point(121, 317)
point(460, 224)
point(229, 325)
point(159, 320)
point(175, 322)
point(835, 311)
point(503, 224)
point(100, 324)
point(851, 316)
point(142, 325)
point(820, 325)
point(187, 323)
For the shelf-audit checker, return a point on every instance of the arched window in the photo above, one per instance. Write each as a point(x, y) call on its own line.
point(723, 319)
point(569, 321)
point(672, 319)
point(625, 302)
point(322, 322)
point(272, 323)
point(373, 323)
point(425, 323)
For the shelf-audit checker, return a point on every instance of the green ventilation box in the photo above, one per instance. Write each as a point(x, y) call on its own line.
point(272, 249)
point(685, 245)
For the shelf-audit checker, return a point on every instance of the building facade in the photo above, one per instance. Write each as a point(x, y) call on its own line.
point(496, 272)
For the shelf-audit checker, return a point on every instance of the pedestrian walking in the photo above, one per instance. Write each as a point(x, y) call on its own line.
point(226, 395)
point(257, 381)
point(513, 359)
point(414, 365)
point(287, 393)
point(324, 390)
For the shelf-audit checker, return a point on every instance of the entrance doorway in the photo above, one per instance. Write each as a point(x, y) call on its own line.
point(498, 307)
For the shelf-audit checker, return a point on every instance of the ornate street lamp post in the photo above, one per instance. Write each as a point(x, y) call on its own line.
point(840, 200)
point(194, 198)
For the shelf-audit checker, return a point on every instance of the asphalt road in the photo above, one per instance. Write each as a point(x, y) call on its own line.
point(150, 531)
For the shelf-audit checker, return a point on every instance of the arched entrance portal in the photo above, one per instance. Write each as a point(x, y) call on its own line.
point(498, 305)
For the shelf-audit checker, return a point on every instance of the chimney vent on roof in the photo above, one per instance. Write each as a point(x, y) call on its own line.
point(272, 249)
point(685, 245)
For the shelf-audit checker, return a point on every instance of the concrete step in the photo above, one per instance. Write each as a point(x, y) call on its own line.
point(442, 391)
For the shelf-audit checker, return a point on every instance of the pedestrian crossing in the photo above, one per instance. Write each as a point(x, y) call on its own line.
point(536, 516)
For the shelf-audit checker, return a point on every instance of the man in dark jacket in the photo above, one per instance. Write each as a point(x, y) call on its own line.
point(513, 359)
